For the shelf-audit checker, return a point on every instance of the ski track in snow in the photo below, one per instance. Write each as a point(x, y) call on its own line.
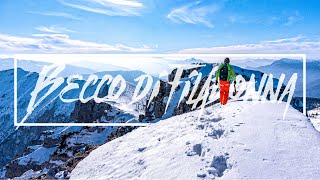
point(237, 141)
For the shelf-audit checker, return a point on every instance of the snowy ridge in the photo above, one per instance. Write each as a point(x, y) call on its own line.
point(39, 156)
point(236, 141)
point(55, 152)
point(156, 110)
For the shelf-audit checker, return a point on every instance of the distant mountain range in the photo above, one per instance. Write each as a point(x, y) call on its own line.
point(252, 63)
point(99, 66)
point(290, 66)
point(36, 66)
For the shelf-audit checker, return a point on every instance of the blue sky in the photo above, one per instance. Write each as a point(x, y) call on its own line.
point(160, 26)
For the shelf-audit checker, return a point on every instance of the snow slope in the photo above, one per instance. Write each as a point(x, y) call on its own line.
point(239, 140)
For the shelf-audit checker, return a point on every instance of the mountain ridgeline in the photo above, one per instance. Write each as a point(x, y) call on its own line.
point(290, 66)
point(157, 108)
point(55, 151)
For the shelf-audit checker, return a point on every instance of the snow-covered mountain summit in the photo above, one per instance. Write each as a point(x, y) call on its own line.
point(61, 149)
point(236, 141)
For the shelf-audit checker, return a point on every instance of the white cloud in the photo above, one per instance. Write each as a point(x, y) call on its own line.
point(294, 18)
point(55, 14)
point(281, 46)
point(285, 18)
point(53, 29)
point(193, 13)
point(293, 39)
point(107, 7)
point(60, 43)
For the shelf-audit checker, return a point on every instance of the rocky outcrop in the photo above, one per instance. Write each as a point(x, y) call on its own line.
point(157, 106)
point(14, 169)
point(89, 112)
point(120, 132)
point(70, 144)
point(50, 142)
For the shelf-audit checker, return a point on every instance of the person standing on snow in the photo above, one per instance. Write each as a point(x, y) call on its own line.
point(225, 73)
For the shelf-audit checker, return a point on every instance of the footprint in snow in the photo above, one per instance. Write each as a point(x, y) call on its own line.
point(216, 133)
point(196, 150)
point(219, 165)
point(142, 149)
point(201, 175)
point(267, 160)
point(237, 143)
point(140, 162)
point(247, 150)
point(206, 112)
point(200, 126)
point(215, 118)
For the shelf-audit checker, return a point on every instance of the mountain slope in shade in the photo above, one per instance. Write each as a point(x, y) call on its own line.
point(290, 66)
point(52, 109)
point(314, 87)
point(236, 141)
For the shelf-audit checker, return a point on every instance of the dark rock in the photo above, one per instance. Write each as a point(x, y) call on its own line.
point(89, 112)
point(13, 169)
point(100, 129)
point(50, 142)
point(141, 117)
point(53, 171)
point(92, 129)
point(158, 104)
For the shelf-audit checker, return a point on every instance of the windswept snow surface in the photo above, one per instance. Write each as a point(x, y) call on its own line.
point(241, 140)
point(38, 156)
